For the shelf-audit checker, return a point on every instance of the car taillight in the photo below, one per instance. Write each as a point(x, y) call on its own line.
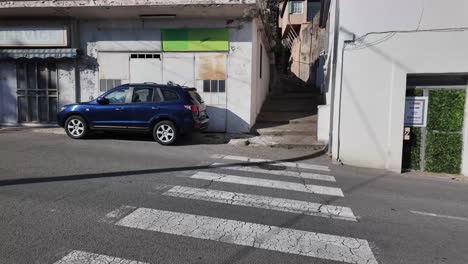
point(192, 108)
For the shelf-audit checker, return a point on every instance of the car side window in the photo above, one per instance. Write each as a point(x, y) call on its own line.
point(170, 95)
point(118, 96)
point(142, 95)
point(157, 97)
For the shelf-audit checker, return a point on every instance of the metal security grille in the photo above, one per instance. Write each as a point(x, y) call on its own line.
point(37, 90)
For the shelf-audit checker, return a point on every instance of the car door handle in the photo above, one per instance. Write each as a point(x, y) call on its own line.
point(119, 109)
point(155, 108)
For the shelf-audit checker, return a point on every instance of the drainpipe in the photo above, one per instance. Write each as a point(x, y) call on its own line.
point(76, 43)
point(333, 73)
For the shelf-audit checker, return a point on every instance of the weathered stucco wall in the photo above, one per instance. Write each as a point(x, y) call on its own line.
point(99, 37)
point(367, 129)
point(66, 83)
point(260, 62)
point(239, 82)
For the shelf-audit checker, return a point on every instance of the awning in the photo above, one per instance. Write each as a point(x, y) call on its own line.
point(38, 53)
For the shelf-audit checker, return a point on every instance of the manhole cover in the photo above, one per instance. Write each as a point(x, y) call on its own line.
point(271, 167)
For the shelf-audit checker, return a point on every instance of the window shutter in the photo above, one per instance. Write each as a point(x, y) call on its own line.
point(290, 7)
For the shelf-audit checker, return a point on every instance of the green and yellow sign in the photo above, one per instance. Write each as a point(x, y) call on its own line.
point(198, 39)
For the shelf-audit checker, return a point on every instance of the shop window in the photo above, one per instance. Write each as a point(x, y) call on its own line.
point(107, 84)
point(214, 86)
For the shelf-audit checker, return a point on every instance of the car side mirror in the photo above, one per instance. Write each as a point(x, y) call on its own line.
point(102, 101)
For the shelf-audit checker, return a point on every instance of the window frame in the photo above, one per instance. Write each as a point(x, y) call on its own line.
point(218, 82)
point(291, 7)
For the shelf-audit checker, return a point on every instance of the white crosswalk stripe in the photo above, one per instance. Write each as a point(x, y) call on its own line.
point(286, 164)
point(263, 202)
point(268, 183)
point(305, 175)
point(268, 237)
point(82, 257)
point(285, 240)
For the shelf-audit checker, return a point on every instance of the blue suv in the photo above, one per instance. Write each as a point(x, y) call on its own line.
point(167, 111)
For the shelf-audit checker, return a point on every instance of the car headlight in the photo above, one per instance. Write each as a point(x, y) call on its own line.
point(63, 108)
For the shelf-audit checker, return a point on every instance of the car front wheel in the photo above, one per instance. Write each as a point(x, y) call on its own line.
point(76, 127)
point(165, 132)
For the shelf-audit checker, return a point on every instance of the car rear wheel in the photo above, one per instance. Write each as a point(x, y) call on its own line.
point(76, 127)
point(165, 133)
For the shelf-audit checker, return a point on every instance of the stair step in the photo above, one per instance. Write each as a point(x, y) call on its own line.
point(286, 117)
point(273, 107)
point(294, 96)
point(287, 141)
point(305, 129)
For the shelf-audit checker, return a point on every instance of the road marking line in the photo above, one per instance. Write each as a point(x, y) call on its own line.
point(441, 216)
point(117, 214)
point(268, 183)
point(305, 175)
point(263, 202)
point(311, 244)
point(287, 164)
point(82, 257)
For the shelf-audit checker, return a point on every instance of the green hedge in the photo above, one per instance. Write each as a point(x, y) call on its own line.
point(444, 142)
point(446, 110)
point(443, 152)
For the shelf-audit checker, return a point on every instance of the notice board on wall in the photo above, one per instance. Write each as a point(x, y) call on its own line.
point(195, 39)
point(416, 111)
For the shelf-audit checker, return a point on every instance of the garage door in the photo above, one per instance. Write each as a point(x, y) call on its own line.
point(145, 68)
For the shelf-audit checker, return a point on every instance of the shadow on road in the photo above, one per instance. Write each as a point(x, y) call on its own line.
point(75, 177)
point(244, 252)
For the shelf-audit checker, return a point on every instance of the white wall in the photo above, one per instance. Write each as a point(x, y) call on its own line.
point(260, 85)
point(375, 69)
point(105, 39)
point(239, 79)
point(66, 83)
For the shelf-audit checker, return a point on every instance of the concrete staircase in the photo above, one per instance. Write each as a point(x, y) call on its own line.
point(289, 119)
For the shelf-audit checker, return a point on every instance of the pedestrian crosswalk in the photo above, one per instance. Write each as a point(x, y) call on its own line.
point(291, 186)
point(308, 243)
point(286, 164)
point(81, 257)
point(296, 174)
point(250, 234)
point(263, 202)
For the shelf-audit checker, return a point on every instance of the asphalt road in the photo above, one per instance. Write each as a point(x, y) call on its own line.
point(119, 198)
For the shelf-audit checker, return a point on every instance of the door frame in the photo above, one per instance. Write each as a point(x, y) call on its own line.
point(426, 89)
point(36, 64)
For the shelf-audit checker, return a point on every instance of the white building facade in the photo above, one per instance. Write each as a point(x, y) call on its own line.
point(60, 52)
point(378, 51)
